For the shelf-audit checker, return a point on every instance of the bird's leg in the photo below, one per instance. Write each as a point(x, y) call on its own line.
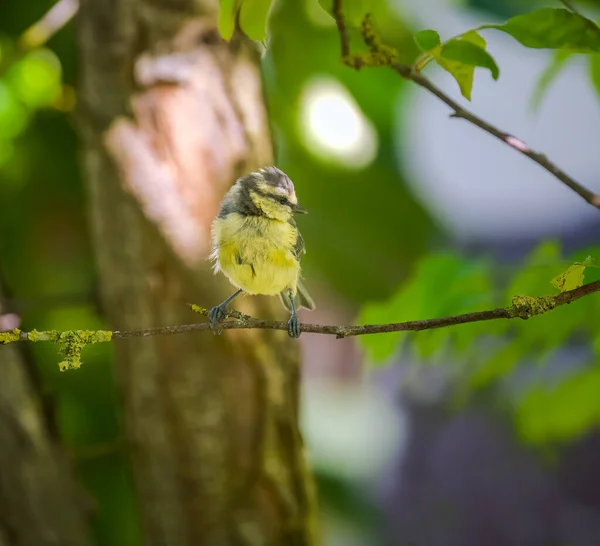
point(293, 324)
point(217, 313)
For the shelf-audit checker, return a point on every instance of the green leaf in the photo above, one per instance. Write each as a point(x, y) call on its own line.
point(573, 276)
point(427, 39)
point(563, 412)
point(594, 68)
point(253, 15)
point(540, 337)
point(468, 289)
point(462, 73)
point(253, 18)
point(354, 11)
point(227, 14)
point(542, 264)
point(471, 54)
point(550, 73)
point(550, 28)
point(416, 298)
point(441, 285)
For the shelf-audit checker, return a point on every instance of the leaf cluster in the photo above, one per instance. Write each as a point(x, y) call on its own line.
point(566, 32)
point(488, 353)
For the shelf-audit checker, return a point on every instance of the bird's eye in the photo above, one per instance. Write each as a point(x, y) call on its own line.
point(283, 200)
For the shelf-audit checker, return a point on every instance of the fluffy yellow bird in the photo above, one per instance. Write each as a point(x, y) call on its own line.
point(257, 244)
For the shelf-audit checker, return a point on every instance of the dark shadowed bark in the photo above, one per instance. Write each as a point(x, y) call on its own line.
point(170, 116)
point(40, 503)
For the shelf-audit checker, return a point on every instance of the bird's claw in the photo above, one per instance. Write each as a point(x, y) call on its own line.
point(215, 316)
point(293, 327)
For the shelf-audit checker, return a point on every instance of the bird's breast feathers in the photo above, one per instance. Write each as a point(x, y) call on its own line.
point(256, 253)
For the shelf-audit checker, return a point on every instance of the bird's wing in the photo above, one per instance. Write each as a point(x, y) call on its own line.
point(299, 248)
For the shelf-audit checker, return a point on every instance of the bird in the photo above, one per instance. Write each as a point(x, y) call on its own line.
point(257, 245)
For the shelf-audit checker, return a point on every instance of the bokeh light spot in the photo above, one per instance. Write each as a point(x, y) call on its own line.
point(35, 79)
point(333, 125)
point(13, 116)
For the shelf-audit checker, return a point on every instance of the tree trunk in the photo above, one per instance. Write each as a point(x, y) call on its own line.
point(39, 501)
point(171, 116)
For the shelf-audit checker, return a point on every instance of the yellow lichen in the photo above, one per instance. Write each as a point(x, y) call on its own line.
point(34, 335)
point(528, 306)
point(74, 341)
point(68, 365)
point(381, 54)
point(46, 335)
point(10, 337)
point(198, 309)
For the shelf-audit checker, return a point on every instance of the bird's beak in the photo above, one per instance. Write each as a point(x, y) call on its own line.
point(297, 209)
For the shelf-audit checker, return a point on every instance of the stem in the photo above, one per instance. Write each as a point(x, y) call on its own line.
point(522, 307)
point(380, 56)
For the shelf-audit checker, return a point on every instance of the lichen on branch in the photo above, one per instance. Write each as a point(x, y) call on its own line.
point(525, 306)
point(74, 341)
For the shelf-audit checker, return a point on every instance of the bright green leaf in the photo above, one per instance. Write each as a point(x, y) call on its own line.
point(427, 39)
point(415, 299)
point(469, 289)
point(253, 18)
point(550, 73)
point(573, 276)
point(468, 53)
point(594, 67)
point(354, 11)
point(462, 73)
point(550, 28)
point(227, 15)
point(563, 412)
point(542, 264)
point(442, 284)
point(327, 6)
point(540, 337)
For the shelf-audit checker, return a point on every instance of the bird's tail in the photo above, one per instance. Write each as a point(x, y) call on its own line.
point(301, 300)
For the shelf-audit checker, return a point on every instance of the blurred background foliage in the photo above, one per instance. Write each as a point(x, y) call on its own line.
point(377, 251)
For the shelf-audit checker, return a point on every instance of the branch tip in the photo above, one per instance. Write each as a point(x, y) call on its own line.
point(383, 55)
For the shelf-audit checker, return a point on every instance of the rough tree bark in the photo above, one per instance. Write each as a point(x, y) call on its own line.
point(40, 504)
point(170, 115)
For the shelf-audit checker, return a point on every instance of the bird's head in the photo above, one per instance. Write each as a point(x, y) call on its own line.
point(272, 193)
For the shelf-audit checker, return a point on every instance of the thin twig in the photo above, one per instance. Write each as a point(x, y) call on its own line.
point(410, 73)
point(40, 32)
point(50, 23)
point(522, 307)
point(342, 29)
point(514, 142)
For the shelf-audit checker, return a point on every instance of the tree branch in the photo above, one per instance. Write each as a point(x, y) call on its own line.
point(73, 341)
point(41, 31)
point(382, 55)
point(51, 22)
